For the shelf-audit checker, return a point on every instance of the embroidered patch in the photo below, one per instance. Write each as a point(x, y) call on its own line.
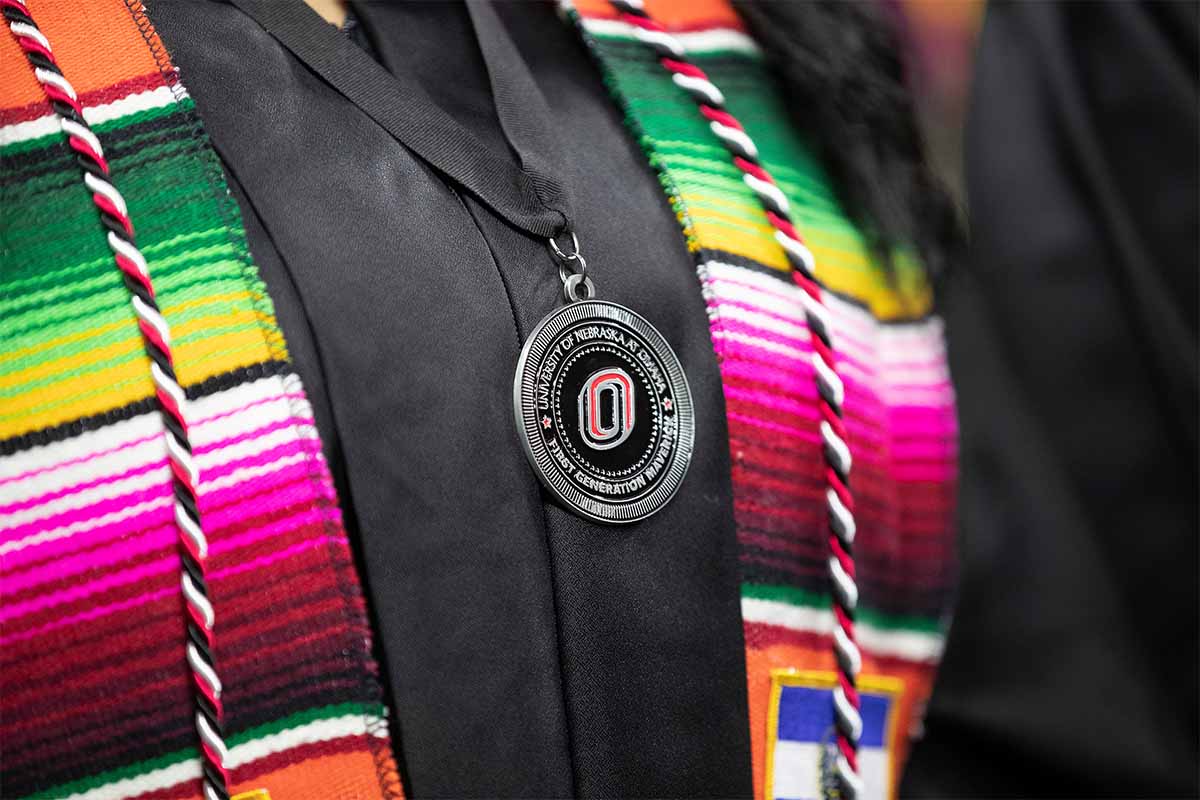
point(801, 744)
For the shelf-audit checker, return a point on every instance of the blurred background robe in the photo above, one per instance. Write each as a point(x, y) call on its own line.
point(1071, 668)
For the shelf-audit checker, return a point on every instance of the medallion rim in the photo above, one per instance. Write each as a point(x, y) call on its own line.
point(679, 460)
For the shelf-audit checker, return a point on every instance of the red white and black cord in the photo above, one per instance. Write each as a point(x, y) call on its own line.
point(156, 337)
point(711, 102)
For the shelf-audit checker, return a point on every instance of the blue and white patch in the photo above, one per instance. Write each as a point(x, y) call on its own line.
point(801, 739)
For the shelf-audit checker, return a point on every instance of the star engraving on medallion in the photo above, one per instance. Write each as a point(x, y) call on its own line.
point(546, 422)
point(667, 404)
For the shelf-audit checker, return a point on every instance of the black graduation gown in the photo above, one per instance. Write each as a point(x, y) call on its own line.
point(526, 651)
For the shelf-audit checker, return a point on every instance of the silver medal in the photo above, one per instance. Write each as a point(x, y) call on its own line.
point(604, 411)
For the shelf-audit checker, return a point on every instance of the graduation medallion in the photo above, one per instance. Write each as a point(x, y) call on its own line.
point(604, 411)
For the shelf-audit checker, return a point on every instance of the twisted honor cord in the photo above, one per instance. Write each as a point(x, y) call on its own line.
point(840, 503)
point(156, 337)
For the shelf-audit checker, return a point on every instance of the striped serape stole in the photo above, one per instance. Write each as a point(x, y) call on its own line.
point(97, 692)
point(899, 406)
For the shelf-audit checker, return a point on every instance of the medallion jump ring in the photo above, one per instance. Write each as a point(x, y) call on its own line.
point(571, 288)
point(565, 272)
point(574, 254)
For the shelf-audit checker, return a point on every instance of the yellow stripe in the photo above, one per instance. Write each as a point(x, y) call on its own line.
point(234, 299)
point(714, 233)
point(847, 271)
point(130, 344)
point(75, 396)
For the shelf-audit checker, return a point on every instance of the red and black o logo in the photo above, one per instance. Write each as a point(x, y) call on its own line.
point(607, 408)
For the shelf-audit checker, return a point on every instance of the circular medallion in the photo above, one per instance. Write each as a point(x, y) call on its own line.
point(604, 411)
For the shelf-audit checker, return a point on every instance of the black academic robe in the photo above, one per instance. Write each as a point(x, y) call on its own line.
point(526, 652)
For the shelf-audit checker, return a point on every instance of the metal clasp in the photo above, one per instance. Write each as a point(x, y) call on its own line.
point(572, 271)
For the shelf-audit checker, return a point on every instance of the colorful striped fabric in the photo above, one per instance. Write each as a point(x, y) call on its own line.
point(96, 699)
point(96, 696)
point(899, 402)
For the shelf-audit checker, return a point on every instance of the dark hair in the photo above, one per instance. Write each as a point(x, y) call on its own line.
point(838, 64)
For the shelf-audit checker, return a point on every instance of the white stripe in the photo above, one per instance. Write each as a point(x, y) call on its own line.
point(939, 397)
point(145, 453)
point(706, 88)
point(914, 342)
point(211, 422)
point(796, 309)
point(149, 428)
point(29, 129)
point(86, 497)
point(24, 29)
point(915, 377)
point(915, 646)
point(796, 331)
point(842, 320)
point(239, 755)
point(203, 669)
point(797, 771)
point(119, 245)
point(197, 599)
point(292, 383)
point(95, 115)
point(75, 129)
point(105, 188)
point(301, 408)
point(266, 406)
point(48, 76)
point(81, 527)
point(159, 779)
point(806, 619)
point(691, 41)
point(769, 189)
point(759, 291)
point(752, 277)
point(873, 387)
point(322, 730)
point(245, 448)
point(132, 104)
point(781, 300)
point(232, 479)
point(762, 344)
point(927, 330)
point(724, 132)
point(243, 474)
